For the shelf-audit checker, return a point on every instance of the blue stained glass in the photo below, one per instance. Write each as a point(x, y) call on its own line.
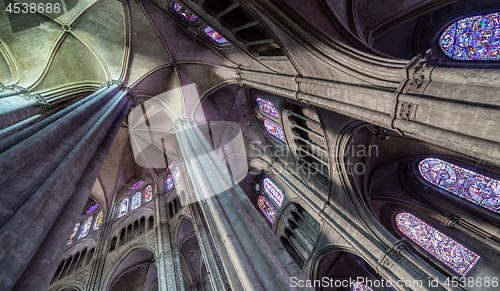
point(184, 12)
point(214, 35)
point(267, 106)
point(476, 188)
point(75, 230)
point(445, 249)
point(86, 227)
point(267, 209)
point(136, 201)
point(473, 38)
point(177, 175)
point(137, 185)
point(257, 187)
point(274, 130)
point(170, 182)
point(273, 191)
point(124, 207)
point(92, 208)
point(360, 287)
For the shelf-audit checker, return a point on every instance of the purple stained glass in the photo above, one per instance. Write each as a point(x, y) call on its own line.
point(267, 209)
point(170, 182)
point(177, 175)
point(267, 107)
point(473, 38)
point(170, 166)
point(98, 221)
point(86, 227)
point(136, 201)
point(476, 188)
point(75, 230)
point(148, 193)
point(92, 208)
point(137, 185)
point(360, 287)
point(445, 249)
point(274, 130)
point(184, 12)
point(124, 207)
point(214, 35)
point(273, 191)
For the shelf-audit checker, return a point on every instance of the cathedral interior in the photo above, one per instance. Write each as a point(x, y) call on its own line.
point(195, 145)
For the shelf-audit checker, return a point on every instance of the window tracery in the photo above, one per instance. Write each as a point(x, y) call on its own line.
point(137, 185)
point(267, 106)
point(214, 35)
point(267, 209)
point(475, 38)
point(184, 12)
point(86, 227)
point(476, 188)
point(273, 191)
point(75, 230)
point(123, 207)
point(136, 201)
point(445, 249)
point(274, 130)
point(98, 221)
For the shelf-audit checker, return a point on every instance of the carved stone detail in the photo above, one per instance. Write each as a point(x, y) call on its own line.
point(418, 77)
point(407, 110)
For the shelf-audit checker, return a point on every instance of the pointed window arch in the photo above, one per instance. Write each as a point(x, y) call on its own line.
point(360, 287)
point(476, 188)
point(123, 207)
point(273, 191)
point(75, 230)
point(148, 194)
point(170, 182)
point(184, 12)
point(85, 227)
point(214, 35)
point(274, 130)
point(445, 249)
point(267, 209)
point(136, 201)
point(475, 38)
point(98, 221)
point(267, 106)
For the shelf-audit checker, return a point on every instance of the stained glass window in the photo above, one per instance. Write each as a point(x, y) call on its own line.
point(473, 38)
point(267, 107)
point(124, 207)
point(476, 188)
point(267, 209)
point(86, 227)
point(360, 287)
point(185, 13)
point(170, 182)
point(75, 230)
point(214, 35)
point(257, 187)
point(92, 208)
point(98, 221)
point(136, 201)
point(137, 185)
point(177, 175)
point(445, 249)
point(274, 130)
point(273, 191)
point(148, 194)
point(170, 166)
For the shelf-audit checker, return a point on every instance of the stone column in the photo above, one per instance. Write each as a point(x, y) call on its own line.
point(167, 258)
point(252, 256)
point(52, 166)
